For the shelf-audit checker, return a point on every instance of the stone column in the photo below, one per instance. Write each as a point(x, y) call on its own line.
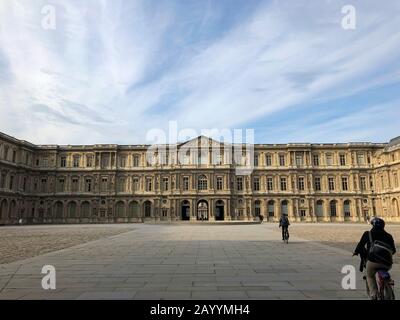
point(327, 214)
point(211, 205)
point(340, 210)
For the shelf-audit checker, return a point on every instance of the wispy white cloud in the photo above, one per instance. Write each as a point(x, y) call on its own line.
point(116, 69)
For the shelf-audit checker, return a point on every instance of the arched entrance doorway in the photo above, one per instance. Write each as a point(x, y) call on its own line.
point(202, 210)
point(346, 209)
point(3, 210)
point(320, 209)
point(332, 207)
point(395, 205)
point(147, 209)
point(257, 208)
point(219, 210)
point(185, 210)
point(284, 207)
point(271, 209)
point(134, 209)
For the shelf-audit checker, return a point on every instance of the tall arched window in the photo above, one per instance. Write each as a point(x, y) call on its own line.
point(120, 209)
point(59, 208)
point(72, 209)
point(284, 207)
point(257, 208)
point(346, 207)
point(271, 208)
point(202, 182)
point(85, 209)
point(134, 209)
point(320, 208)
point(332, 206)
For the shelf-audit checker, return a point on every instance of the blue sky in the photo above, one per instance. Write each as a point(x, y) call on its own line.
point(113, 70)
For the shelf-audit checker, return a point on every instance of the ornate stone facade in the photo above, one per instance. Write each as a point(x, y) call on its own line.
point(116, 183)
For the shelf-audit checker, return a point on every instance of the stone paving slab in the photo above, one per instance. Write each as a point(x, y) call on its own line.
point(234, 262)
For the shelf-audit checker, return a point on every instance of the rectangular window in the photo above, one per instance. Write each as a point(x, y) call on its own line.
point(219, 183)
point(88, 185)
point(316, 160)
point(268, 160)
point(89, 161)
point(342, 159)
point(122, 161)
point(45, 162)
point(76, 161)
point(301, 183)
point(302, 213)
point(239, 183)
point(256, 160)
point(136, 159)
point(61, 185)
point(105, 160)
point(11, 182)
point(283, 184)
point(363, 183)
point(164, 212)
point(121, 184)
point(331, 183)
point(329, 159)
point(270, 185)
point(135, 184)
point(104, 184)
point(299, 159)
point(256, 184)
point(14, 156)
point(344, 184)
point(396, 181)
point(360, 159)
point(24, 184)
point(185, 183)
point(165, 184)
point(3, 180)
point(63, 162)
point(149, 184)
point(282, 160)
point(75, 184)
point(43, 185)
point(317, 183)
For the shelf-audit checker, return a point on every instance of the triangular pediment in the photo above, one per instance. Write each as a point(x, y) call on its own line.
point(201, 141)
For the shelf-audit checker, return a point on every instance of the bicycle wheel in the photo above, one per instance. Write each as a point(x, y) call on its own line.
point(388, 293)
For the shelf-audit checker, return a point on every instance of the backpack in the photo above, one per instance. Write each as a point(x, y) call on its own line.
point(380, 252)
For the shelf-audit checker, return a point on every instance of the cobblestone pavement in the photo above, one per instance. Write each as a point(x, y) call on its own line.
point(23, 242)
point(190, 262)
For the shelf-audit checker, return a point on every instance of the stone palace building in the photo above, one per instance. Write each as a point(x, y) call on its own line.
point(118, 183)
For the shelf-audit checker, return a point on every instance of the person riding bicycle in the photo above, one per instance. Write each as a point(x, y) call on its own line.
point(284, 223)
point(378, 258)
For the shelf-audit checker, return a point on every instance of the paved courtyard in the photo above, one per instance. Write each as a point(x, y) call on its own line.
point(182, 261)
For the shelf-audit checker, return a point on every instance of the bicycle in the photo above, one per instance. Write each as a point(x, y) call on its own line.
point(384, 282)
point(286, 234)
